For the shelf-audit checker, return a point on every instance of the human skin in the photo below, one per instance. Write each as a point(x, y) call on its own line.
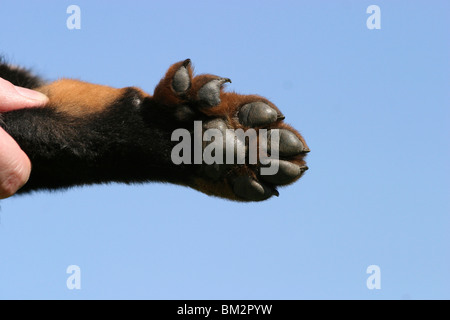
point(15, 167)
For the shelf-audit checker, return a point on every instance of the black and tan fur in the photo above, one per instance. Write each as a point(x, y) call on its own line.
point(90, 134)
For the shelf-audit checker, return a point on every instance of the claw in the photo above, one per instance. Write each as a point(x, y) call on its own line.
point(186, 63)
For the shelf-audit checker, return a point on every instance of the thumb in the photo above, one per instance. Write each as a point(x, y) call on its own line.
point(13, 97)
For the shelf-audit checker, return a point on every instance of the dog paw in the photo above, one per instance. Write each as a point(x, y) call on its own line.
point(246, 149)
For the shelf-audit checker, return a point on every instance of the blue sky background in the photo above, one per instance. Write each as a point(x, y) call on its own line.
point(372, 104)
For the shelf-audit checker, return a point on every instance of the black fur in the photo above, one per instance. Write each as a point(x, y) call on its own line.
point(19, 76)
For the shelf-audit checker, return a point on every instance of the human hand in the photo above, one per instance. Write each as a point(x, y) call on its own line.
point(15, 167)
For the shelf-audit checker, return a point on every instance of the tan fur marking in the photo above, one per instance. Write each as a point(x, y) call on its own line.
point(79, 98)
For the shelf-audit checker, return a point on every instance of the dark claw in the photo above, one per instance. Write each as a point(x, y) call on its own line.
point(249, 189)
point(287, 172)
point(210, 92)
point(181, 80)
point(257, 114)
point(186, 63)
point(289, 143)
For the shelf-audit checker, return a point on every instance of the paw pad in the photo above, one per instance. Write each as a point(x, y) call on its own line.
point(181, 79)
point(287, 172)
point(289, 144)
point(250, 189)
point(210, 92)
point(257, 114)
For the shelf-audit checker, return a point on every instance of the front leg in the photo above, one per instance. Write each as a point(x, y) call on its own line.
point(91, 134)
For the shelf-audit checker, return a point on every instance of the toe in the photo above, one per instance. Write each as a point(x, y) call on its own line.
point(288, 143)
point(249, 189)
point(209, 93)
point(257, 114)
point(181, 79)
point(284, 172)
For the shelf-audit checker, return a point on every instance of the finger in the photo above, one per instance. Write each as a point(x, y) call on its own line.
point(13, 97)
point(15, 167)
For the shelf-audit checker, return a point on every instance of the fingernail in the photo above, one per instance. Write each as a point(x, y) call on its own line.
point(40, 98)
